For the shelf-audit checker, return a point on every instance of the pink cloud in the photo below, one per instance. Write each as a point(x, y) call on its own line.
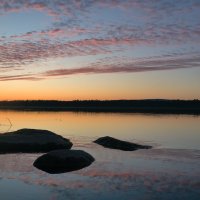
point(131, 67)
point(71, 37)
point(114, 66)
point(20, 52)
point(20, 77)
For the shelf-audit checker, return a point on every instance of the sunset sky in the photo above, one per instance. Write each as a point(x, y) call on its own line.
point(108, 49)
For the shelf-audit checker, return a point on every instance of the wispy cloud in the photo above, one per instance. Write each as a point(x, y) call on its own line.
point(20, 77)
point(131, 67)
point(24, 52)
point(107, 65)
point(57, 6)
point(80, 29)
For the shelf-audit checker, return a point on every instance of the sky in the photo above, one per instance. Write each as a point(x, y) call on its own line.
point(108, 49)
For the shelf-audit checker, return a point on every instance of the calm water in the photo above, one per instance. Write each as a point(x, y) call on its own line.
point(168, 171)
point(169, 131)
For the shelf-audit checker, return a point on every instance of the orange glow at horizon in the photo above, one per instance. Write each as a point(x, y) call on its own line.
point(105, 87)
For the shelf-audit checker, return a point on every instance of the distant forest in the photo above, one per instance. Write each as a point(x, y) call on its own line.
point(140, 106)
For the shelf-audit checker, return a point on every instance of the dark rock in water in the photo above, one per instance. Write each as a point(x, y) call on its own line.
point(32, 140)
point(113, 143)
point(60, 161)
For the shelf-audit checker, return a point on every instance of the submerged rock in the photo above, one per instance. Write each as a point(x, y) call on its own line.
point(113, 143)
point(32, 140)
point(60, 161)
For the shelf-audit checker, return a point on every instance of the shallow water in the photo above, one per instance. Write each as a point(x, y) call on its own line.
point(168, 171)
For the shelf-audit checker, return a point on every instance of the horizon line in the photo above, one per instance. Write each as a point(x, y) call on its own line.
point(146, 99)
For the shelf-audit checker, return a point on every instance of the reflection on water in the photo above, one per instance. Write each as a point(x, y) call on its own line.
point(168, 171)
point(144, 174)
point(171, 131)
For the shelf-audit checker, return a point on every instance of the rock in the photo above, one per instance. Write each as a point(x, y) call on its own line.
point(113, 143)
point(60, 161)
point(32, 140)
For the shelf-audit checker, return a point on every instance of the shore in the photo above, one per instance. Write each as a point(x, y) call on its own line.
point(124, 106)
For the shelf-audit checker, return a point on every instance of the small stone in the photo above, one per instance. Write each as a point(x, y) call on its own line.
point(113, 143)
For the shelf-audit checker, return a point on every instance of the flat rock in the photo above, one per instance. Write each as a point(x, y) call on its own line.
point(60, 161)
point(32, 141)
point(113, 143)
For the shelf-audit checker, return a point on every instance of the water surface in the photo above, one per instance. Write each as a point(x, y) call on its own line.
point(170, 131)
point(168, 171)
